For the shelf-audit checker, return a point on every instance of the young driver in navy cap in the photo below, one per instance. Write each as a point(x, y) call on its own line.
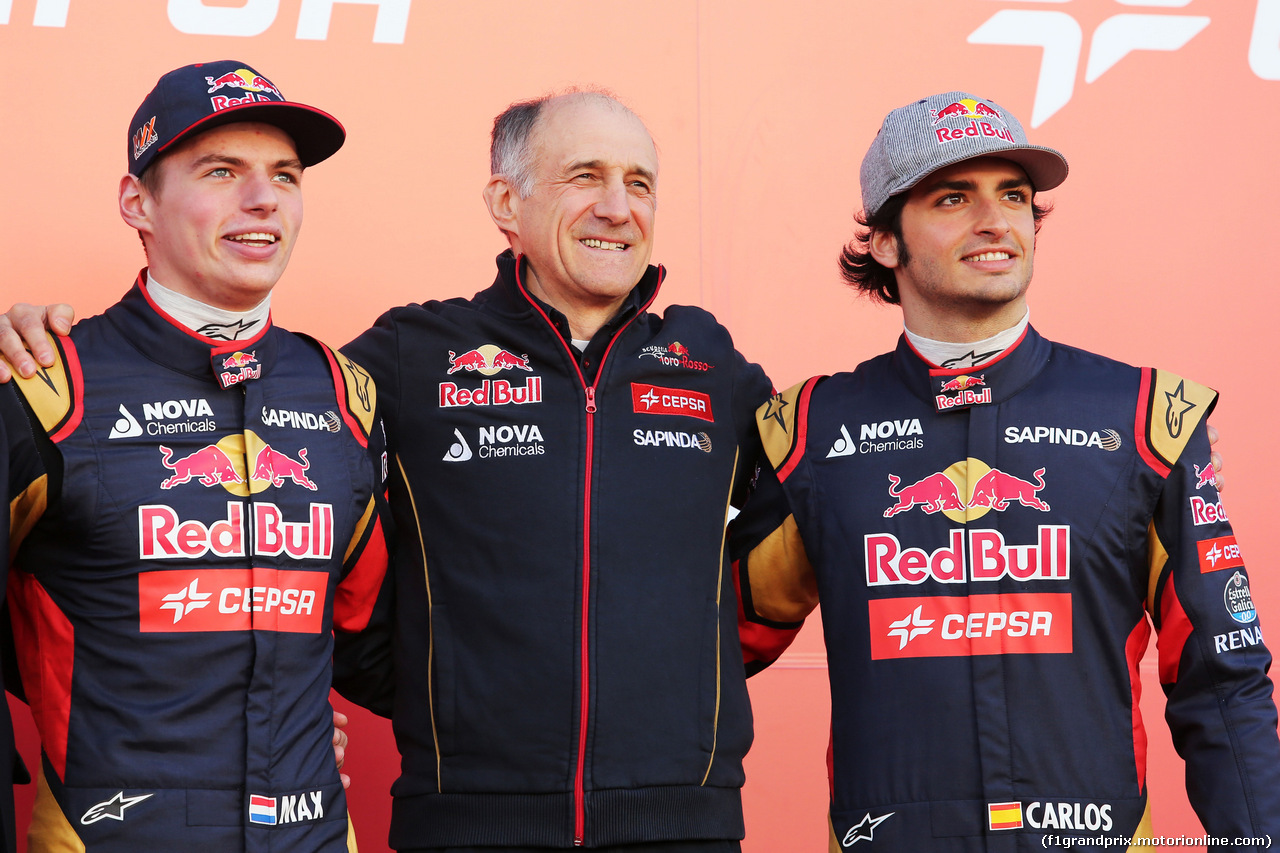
point(195, 498)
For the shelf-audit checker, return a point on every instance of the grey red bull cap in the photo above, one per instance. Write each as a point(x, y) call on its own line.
point(935, 132)
point(200, 97)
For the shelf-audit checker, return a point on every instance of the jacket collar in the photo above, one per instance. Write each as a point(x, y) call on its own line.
point(509, 295)
point(992, 383)
point(162, 339)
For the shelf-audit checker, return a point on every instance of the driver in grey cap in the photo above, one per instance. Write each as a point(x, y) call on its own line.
point(993, 524)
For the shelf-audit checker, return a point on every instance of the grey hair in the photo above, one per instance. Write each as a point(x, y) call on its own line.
point(511, 151)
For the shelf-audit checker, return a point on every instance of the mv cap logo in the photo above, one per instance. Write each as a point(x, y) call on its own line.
point(112, 808)
point(488, 360)
point(144, 137)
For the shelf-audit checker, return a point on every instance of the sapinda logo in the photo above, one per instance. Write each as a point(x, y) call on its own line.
point(1061, 37)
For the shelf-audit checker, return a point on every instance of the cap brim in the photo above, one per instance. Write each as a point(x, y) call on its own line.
point(1046, 167)
point(316, 134)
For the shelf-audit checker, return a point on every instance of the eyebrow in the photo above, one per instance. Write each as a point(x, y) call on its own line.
point(957, 184)
point(239, 163)
point(600, 164)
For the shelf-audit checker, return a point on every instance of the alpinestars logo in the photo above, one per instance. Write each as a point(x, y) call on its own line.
point(865, 829)
point(112, 808)
point(1062, 40)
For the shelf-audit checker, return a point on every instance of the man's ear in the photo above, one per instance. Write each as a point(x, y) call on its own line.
point(504, 204)
point(135, 204)
point(883, 246)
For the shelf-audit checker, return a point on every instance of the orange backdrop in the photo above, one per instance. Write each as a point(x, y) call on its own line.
point(1158, 252)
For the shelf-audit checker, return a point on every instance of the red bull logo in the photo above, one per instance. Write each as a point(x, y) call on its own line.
point(238, 367)
point(966, 108)
point(962, 382)
point(677, 348)
point(949, 492)
point(932, 494)
point(164, 535)
point(985, 556)
point(1205, 476)
point(488, 359)
point(238, 359)
point(272, 466)
point(243, 79)
point(995, 489)
point(210, 466)
point(982, 121)
point(965, 395)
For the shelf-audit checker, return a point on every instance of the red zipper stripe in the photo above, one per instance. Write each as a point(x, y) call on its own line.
point(579, 786)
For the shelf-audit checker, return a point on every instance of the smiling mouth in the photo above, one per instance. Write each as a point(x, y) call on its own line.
point(253, 238)
point(603, 244)
point(990, 256)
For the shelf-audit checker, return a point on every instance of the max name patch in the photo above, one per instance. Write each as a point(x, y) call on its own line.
point(656, 400)
point(305, 807)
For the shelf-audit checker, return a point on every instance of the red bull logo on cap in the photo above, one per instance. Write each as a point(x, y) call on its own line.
point(982, 120)
point(243, 79)
point(488, 360)
point(255, 87)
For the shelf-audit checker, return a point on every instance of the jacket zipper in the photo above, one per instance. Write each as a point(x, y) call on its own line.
point(579, 785)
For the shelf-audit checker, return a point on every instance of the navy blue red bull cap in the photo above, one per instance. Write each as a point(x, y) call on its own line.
point(935, 132)
point(200, 97)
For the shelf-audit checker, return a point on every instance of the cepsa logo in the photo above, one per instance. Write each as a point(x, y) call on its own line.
point(965, 625)
point(190, 600)
point(1220, 553)
point(656, 400)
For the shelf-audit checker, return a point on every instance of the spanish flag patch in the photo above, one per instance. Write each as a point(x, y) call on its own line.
point(1004, 816)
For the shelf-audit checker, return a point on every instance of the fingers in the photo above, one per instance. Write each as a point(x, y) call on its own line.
point(1215, 458)
point(23, 329)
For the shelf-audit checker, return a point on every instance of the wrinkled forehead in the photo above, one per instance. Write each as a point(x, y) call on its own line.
point(575, 130)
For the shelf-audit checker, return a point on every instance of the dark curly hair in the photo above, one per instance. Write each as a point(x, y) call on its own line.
point(864, 273)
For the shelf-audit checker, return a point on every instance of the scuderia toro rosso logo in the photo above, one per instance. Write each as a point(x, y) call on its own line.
point(674, 354)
